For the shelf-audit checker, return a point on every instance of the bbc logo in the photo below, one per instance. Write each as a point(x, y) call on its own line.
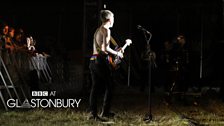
point(39, 93)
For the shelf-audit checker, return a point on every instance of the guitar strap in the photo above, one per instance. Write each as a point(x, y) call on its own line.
point(113, 41)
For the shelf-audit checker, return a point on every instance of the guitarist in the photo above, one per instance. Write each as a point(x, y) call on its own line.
point(100, 72)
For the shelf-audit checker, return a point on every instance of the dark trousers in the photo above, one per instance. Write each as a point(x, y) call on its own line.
point(177, 80)
point(101, 82)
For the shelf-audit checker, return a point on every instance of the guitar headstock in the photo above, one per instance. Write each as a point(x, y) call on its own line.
point(128, 41)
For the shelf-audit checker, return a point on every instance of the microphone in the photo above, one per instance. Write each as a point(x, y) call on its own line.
point(143, 29)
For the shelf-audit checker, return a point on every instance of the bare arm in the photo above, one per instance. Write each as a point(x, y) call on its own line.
point(107, 42)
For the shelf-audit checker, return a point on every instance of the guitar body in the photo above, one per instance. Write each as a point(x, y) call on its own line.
point(114, 61)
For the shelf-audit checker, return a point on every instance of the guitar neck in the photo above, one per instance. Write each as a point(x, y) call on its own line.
point(124, 47)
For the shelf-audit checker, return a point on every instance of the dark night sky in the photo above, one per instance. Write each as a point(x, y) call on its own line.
point(62, 22)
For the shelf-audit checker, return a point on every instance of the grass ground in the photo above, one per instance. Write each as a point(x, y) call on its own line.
point(130, 107)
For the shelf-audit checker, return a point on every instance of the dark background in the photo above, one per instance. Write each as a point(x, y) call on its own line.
point(67, 27)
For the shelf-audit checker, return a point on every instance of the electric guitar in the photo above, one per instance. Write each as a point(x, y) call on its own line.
point(114, 61)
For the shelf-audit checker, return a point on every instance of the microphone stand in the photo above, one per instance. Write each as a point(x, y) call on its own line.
point(148, 116)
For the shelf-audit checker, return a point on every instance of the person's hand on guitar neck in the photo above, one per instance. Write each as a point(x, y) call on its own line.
point(120, 54)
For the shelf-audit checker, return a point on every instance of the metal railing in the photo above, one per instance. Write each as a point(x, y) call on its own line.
point(15, 67)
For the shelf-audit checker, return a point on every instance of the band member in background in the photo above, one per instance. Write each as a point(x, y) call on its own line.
point(100, 72)
point(165, 64)
point(180, 56)
point(176, 62)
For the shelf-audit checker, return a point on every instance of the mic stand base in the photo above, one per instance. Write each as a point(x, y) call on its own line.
point(148, 118)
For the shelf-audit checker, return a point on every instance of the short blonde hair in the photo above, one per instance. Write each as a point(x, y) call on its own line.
point(105, 15)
